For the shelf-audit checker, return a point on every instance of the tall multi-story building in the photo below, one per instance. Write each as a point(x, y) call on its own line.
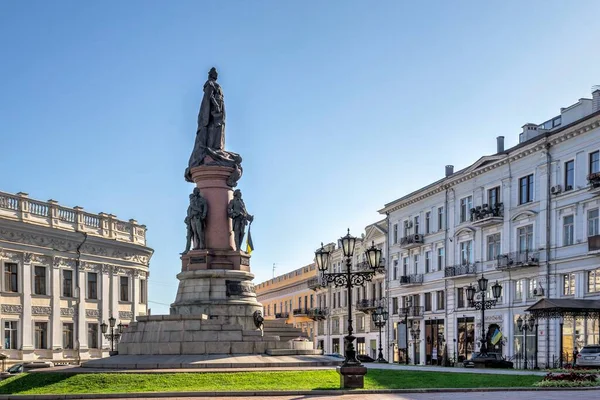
point(526, 217)
point(288, 297)
point(65, 272)
point(333, 324)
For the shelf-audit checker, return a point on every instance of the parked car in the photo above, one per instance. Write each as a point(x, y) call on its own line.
point(364, 358)
point(589, 356)
point(15, 369)
point(489, 360)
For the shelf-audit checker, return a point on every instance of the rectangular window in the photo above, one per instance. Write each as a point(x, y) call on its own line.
point(525, 236)
point(519, 290)
point(395, 233)
point(394, 305)
point(92, 285)
point(334, 301)
point(41, 335)
point(494, 196)
point(428, 301)
point(568, 284)
point(466, 252)
point(440, 259)
point(67, 283)
point(124, 292)
point(594, 162)
point(526, 189)
point(460, 298)
point(405, 266)
point(68, 336)
point(395, 270)
point(416, 264)
point(143, 291)
point(10, 277)
point(568, 230)
point(428, 222)
point(465, 208)
point(532, 288)
point(93, 336)
point(428, 261)
point(39, 282)
point(592, 221)
point(493, 246)
point(440, 218)
point(416, 224)
point(569, 175)
point(441, 300)
point(10, 335)
point(593, 280)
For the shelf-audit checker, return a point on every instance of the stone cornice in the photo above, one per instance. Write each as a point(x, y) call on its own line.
point(520, 152)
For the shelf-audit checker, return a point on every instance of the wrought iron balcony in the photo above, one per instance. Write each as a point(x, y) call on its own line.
point(412, 312)
point(594, 180)
point(487, 214)
point(411, 241)
point(460, 270)
point(519, 259)
point(367, 305)
point(416, 279)
point(594, 244)
point(318, 314)
point(284, 315)
point(314, 284)
point(300, 312)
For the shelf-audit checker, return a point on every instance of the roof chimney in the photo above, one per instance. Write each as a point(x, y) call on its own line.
point(596, 98)
point(500, 144)
point(529, 130)
point(449, 170)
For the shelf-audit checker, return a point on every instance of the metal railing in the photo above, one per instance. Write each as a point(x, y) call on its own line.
point(411, 279)
point(516, 259)
point(300, 311)
point(318, 314)
point(285, 315)
point(412, 311)
point(367, 304)
point(486, 211)
point(463, 269)
point(594, 180)
point(415, 239)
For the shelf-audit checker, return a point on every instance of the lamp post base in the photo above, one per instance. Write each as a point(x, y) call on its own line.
point(352, 377)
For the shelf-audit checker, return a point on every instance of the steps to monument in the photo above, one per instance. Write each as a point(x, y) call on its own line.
point(294, 352)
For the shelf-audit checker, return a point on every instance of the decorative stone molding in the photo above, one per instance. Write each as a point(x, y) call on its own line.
point(92, 313)
point(12, 309)
point(68, 312)
point(139, 274)
point(56, 262)
point(27, 257)
point(126, 315)
point(106, 268)
point(117, 270)
point(9, 255)
point(41, 310)
point(36, 258)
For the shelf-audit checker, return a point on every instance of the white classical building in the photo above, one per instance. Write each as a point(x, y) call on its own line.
point(64, 273)
point(330, 332)
point(526, 217)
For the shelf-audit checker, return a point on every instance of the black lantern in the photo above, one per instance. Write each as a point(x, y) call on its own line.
point(497, 290)
point(348, 243)
point(483, 284)
point(520, 323)
point(112, 321)
point(322, 258)
point(120, 327)
point(470, 293)
point(104, 327)
point(531, 322)
point(374, 256)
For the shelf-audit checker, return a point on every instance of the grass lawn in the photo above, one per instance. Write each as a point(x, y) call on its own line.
point(61, 383)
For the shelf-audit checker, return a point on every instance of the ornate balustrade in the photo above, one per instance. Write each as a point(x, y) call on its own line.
point(519, 259)
point(20, 207)
point(487, 214)
point(318, 314)
point(284, 315)
point(416, 279)
point(459, 270)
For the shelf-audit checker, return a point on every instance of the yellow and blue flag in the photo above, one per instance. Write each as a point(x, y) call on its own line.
point(497, 336)
point(249, 244)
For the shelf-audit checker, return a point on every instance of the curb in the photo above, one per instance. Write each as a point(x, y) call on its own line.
point(266, 393)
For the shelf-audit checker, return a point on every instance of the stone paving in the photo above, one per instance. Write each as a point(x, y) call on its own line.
point(429, 368)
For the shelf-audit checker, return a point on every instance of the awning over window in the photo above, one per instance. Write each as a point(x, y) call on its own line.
point(565, 308)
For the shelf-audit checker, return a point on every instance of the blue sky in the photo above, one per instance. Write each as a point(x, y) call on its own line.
point(337, 107)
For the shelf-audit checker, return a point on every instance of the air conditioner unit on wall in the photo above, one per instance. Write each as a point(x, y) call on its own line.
point(556, 189)
point(538, 292)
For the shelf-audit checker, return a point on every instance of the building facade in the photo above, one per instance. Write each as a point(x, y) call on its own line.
point(526, 217)
point(65, 272)
point(289, 298)
point(332, 327)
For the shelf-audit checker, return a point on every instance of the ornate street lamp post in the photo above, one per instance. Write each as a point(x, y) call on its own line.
point(406, 311)
point(482, 304)
point(349, 279)
point(415, 333)
point(380, 317)
point(524, 327)
point(112, 336)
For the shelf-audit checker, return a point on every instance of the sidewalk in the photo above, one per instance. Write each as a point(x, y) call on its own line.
point(432, 368)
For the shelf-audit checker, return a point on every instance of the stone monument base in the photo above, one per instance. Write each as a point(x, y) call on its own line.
point(352, 377)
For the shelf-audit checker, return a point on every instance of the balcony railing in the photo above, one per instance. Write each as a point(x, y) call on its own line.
point(284, 315)
point(314, 284)
point(20, 207)
point(519, 259)
point(367, 305)
point(594, 180)
point(416, 279)
point(412, 312)
point(459, 270)
point(487, 214)
point(594, 244)
point(300, 312)
point(411, 241)
point(318, 314)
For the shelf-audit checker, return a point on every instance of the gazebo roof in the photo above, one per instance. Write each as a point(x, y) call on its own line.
point(565, 308)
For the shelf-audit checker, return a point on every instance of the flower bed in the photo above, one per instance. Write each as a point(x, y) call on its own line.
point(570, 379)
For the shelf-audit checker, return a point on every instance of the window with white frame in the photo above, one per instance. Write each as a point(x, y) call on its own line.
point(67, 283)
point(428, 261)
point(395, 270)
point(395, 234)
point(406, 227)
point(124, 288)
point(568, 284)
point(569, 175)
point(568, 230)
point(143, 291)
point(519, 290)
point(466, 252)
point(532, 288)
point(592, 223)
point(428, 222)
point(441, 300)
point(92, 285)
point(405, 266)
point(493, 246)
point(11, 274)
point(11, 333)
point(93, 336)
point(593, 280)
point(460, 297)
point(525, 238)
point(68, 335)
point(594, 162)
point(416, 264)
point(440, 216)
point(440, 258)
point(465, 208)
point(494, 196)
point(39, 280)
point(417, 220)
point(41, 335)
point(526, 189)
